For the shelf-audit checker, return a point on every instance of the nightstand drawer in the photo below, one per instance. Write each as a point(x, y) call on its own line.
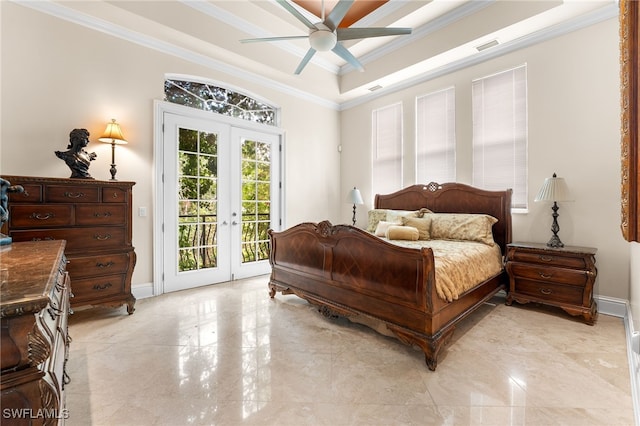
point(548, 274)
point(550, 292)
point(553, 259)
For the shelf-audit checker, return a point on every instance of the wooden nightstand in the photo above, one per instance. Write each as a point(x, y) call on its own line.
point(561, 277)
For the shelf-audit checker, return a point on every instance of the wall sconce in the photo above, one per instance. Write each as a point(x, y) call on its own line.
point(554, 189)
point(354, 198)
point(113, 135)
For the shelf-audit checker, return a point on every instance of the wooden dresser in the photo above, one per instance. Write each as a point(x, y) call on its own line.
point(34, 310)
point(94, 217)
point(562, 277)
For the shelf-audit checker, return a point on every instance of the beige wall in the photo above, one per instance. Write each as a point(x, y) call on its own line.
point(634, 296)
point(57, 76)
point(573, 99)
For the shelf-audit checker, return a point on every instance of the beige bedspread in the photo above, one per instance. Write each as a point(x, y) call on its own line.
point(460, 265)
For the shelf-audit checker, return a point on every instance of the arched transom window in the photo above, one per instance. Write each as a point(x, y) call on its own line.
point(220, 100)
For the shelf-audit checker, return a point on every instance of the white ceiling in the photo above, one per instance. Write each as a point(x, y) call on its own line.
point(445, 37)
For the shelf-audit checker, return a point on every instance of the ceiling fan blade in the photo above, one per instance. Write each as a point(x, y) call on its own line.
point(337, 14)
point(357, 33)
point(342, 51)
point(305, 60)
point(254, 40)
point(294, 12)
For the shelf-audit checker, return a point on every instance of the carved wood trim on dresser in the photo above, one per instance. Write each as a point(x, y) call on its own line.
point(34, 310)
point(95, 218)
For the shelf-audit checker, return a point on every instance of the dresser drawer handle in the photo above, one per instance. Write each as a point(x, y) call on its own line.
point(545, 291)
point(545, 276)
point(41, 216)
point(546, 258)
point(74, 194)
point(105, 265)
point(105, 214)
point(102, 287)
point(102, 237)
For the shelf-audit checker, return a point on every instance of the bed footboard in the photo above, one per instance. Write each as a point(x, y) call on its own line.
point(348, 272)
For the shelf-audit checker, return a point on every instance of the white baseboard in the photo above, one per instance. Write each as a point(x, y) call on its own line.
point(142, 291)
point(621, 308)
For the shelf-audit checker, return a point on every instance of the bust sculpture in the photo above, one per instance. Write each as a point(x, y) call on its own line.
point(5, 189)
point(76, 157)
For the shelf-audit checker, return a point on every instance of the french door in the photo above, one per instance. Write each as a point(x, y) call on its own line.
point(221, 193)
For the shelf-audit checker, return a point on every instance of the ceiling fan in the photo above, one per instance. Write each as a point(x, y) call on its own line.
point(326, 35)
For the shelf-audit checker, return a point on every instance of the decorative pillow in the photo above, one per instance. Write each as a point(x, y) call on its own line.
point(423, 225)
point(397, 215)
point(423, 211)
point(381, 229)
point(397, 232)
point(376, 215)
point(462, 226)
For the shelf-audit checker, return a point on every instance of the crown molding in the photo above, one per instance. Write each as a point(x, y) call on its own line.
point(235, 21)
point(59, 11)
point(608, 12)
point(421, 32)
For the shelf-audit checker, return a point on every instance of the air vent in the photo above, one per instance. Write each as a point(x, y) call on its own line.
point(374, 88)
point(487, 45)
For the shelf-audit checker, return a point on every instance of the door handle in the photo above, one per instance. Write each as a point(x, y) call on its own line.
point(234, 223)
point(225, 223)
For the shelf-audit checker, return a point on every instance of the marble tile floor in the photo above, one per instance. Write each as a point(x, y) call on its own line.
point(229, 355)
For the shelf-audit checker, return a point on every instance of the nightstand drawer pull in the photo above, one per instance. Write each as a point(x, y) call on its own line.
point(545, 291)
point(545, 276)
point(546, 258)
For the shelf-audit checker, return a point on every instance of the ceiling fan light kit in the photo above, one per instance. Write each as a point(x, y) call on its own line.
point(326, 35)
point(323, 40)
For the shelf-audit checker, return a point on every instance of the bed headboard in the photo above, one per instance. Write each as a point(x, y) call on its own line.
point(455, 198)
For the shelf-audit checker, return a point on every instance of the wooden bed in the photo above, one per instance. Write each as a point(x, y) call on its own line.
point(347, 271)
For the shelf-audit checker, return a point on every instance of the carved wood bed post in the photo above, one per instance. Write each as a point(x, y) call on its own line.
point(630, 114)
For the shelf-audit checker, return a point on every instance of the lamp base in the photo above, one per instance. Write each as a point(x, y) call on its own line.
point(555, 242)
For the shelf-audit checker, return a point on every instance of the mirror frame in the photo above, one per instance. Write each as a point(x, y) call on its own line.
point(630, 110)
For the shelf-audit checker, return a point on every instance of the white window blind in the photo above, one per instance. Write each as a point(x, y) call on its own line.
point(386, 161)
point(435, 137)
point(500, 133)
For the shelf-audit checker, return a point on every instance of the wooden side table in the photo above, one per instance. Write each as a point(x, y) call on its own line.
point(561, 277)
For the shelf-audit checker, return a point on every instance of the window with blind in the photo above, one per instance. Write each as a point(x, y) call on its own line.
point(435, 137)
point(386, 148)
point(500, 133)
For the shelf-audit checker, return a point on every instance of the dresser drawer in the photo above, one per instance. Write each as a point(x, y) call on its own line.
point(551, 292)
point(40, 216)
point(100, 214)
point(114, 195)
point(107, 264)
point(548, 274)
point(32, 193)
point(78, 239)
point(75, 194)
point(96, 288)
point(561, 260)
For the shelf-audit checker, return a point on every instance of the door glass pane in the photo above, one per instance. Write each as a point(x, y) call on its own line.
point(256, 200)
point(197, 195)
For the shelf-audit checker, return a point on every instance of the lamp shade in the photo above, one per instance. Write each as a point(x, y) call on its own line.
point(354, 196)
point(554, 189)
point(113, 134)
